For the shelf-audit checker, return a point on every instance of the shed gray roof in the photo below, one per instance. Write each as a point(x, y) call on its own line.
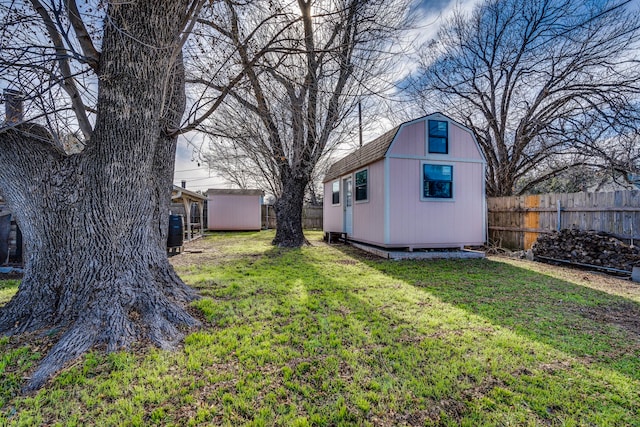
point(369, 153)
point(235, 191)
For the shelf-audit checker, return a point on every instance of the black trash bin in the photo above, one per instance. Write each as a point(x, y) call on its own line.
point(175, 237)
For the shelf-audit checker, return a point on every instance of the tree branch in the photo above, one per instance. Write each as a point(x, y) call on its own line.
point(68, 82)
point(86, 44)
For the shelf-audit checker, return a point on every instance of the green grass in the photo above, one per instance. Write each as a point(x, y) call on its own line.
point(324, 336)
point(7, 289)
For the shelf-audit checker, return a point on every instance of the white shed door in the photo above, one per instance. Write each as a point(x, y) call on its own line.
point(348, 206)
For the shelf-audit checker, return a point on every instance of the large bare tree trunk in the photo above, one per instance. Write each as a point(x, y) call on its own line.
point(95, 222)
point(289, 213)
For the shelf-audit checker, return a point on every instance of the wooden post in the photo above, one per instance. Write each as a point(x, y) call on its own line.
point(187, 213)
point(531, 221)
point(360, 121)
point(559, 225)
point(201, 206)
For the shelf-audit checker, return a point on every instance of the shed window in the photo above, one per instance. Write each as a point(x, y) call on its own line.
point(361, 185)
point(335, 193)
point(438, 136)
point(437, 181)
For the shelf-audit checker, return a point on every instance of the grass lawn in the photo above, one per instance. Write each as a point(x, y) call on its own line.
point(327, 336)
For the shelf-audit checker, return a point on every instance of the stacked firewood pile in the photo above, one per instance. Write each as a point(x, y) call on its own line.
point(587, 247)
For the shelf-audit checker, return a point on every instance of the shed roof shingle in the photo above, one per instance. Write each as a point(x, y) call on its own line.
point(369, 153)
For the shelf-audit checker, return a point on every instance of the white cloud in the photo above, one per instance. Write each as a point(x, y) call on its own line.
point(189, 167)
point(429, 18)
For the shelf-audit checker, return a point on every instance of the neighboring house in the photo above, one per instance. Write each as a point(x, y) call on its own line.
point(235, 209)
point(420, 185)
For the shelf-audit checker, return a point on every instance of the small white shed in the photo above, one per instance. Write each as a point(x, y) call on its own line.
point(234, 209)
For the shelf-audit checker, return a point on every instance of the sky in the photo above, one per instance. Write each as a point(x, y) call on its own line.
point(190, 168)
point(431, 14)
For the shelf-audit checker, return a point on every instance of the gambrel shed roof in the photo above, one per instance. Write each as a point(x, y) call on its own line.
point(378, 148)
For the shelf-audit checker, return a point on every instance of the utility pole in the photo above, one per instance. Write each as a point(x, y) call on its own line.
point(360, 121)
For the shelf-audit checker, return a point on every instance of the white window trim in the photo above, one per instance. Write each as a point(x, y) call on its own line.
point(453, 185)
point(355, 187)
point(339, 193)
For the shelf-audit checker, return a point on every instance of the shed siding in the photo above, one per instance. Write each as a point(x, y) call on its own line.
point(436, 223)
point(368, 217)
point(410, 141)
point(462, 145)
point(332, 215)
point(234, 212)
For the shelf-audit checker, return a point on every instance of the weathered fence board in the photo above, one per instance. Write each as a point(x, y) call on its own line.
point(311, 217)
point(515, 222)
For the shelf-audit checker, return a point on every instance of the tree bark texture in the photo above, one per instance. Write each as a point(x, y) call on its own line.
point(95, 223)
point(288, 209)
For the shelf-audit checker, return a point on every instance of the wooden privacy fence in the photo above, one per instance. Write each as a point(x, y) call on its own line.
point(516, 222)
point(311, 217)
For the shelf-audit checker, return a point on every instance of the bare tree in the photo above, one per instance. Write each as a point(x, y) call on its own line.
point(307, 64)
point(230, 161)
point(544, 85)
point(95, 222)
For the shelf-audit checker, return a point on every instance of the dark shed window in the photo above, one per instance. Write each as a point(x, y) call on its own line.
point(438, 136)
point(361, 185)
point(437, 181)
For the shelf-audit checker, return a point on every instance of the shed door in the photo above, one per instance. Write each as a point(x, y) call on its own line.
point(348, 206)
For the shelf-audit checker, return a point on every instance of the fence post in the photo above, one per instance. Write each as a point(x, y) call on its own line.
point(559, 216)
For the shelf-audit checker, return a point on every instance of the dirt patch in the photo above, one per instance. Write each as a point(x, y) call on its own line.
point(594, 280)
point(198, 252)
point(10, 276)
point(626, 315)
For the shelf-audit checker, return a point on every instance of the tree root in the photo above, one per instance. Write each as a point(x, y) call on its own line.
point(26, 313)
point(159, 322)
point(147, 308)
point(72, 345)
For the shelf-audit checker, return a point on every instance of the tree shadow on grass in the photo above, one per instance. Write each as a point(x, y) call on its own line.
point(338, 338)
point(346, 349)
point(344, 359)
point(590, 324)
